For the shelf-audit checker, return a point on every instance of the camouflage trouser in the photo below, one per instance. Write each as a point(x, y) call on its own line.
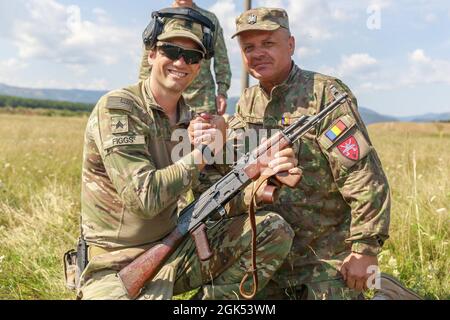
point(220, 277)
point(321, 281)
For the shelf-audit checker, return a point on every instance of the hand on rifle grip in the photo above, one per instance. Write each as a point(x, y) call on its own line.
point(290, 178)
point(201, 243)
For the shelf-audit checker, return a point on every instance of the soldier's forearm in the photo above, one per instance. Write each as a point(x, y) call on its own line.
point(222, 88)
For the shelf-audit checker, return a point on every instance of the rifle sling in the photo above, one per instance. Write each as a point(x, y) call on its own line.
point(254, 270)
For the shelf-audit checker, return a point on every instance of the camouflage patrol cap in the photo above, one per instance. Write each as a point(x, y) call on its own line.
point(267, 19)
point(180, 28)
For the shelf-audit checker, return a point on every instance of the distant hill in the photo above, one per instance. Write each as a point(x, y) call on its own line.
point(429, 117)
point(91, 97)
point(83, 96)
point(369, 116)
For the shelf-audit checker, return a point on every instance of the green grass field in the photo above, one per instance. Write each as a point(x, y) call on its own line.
point(40, 169)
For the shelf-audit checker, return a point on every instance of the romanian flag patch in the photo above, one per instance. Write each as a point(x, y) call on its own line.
point(336, 131)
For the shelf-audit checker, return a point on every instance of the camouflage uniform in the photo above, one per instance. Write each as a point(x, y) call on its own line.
point(201, 94)
point(342, 204)
point(130, 190)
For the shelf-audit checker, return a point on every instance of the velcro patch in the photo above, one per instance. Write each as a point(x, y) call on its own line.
point(352, 148)
point(119, 124)
point(349, 148)
point(119, 103)
point(336, 131)
point(124, 141)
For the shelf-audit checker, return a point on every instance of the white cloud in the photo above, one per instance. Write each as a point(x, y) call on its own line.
point(312, 20)
point(307, 19)
point(58, 33)
point(382, 4)
point(421, 69)
point(341, 15)
point(424, 69)
point(430, 18)
point(418, 56)
point(357, 65)
point(12, 63)
point(306, 52)
point(9, 68)
point(270, 3)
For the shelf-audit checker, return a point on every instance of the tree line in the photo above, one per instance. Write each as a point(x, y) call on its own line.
point(17, 102)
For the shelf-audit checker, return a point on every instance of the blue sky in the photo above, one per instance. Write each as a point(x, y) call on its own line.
point(394, 55)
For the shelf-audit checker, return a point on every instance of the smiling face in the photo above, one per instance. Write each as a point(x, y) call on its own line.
point(173, 75)
point(268, 54)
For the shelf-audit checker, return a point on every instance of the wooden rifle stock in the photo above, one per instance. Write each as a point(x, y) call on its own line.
point(146, 266)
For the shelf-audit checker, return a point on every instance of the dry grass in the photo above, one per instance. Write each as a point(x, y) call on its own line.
point(40, 168)
point(416, 159)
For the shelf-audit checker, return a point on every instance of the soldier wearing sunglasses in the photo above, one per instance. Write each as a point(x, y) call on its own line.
point(131, 185)
point(201, 93)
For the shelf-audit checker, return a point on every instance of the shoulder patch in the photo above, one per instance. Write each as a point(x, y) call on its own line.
point(352, 148)
point(119, 103)
point(124, 140)
point(337, 130)
point(345, 141)
point(119, 124)
point(349, 148)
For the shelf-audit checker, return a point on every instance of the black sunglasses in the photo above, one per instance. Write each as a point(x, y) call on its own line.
point(174, 52)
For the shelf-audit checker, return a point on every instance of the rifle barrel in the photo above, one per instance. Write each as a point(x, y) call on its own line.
point(312, 121)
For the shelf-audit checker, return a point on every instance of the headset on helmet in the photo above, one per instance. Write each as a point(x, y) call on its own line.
point(156, 27)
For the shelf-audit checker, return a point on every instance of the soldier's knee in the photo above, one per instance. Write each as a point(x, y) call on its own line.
point(279, 230)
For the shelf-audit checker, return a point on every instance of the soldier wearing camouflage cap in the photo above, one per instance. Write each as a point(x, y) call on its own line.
point(131, 184)
point(340, 211)
point(201, 94)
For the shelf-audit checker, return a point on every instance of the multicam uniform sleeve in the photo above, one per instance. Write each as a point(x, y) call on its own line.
point(144, 71)
point(222, 68)
point(357, 171)
point(143, 188)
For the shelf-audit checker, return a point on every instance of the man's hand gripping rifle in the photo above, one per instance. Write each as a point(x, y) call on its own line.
point(192, 219)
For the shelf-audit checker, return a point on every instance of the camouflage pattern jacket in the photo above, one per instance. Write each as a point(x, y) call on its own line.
point(343, 200)
point(130, 187)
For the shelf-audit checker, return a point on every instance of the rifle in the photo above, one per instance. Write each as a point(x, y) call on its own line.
point(192, 219)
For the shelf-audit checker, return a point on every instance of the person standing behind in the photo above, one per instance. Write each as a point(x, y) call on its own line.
point(201, 94)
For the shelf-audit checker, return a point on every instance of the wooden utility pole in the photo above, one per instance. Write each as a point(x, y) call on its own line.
point(245, 82)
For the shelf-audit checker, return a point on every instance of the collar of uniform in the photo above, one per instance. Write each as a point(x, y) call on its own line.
point(184, 112)
point(281, 88)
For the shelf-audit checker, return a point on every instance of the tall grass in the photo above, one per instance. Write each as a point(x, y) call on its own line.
point(40, 169)
point(416, 158)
